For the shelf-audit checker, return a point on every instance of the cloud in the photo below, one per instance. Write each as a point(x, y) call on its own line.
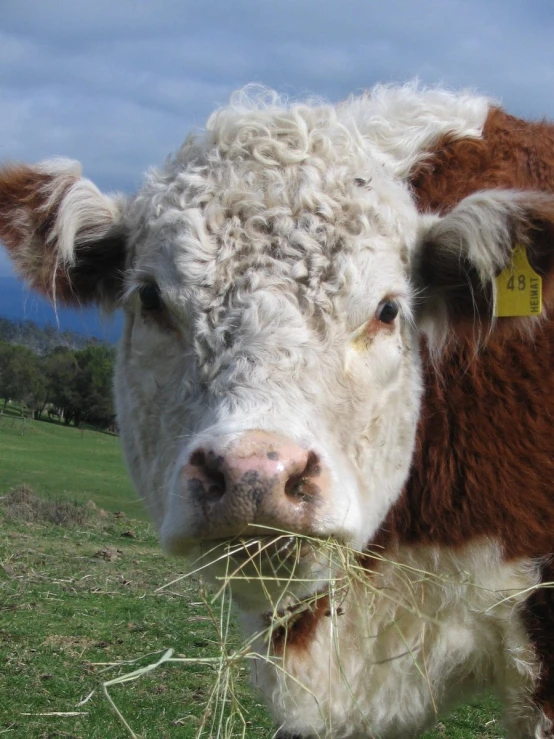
point(118, 85)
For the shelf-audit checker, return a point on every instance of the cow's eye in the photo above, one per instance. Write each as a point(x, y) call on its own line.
point(150, 298)
point(386, 312)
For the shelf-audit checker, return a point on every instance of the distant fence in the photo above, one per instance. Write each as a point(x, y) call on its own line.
point(25, 416)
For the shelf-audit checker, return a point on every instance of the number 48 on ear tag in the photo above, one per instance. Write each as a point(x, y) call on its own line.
point(518, 288)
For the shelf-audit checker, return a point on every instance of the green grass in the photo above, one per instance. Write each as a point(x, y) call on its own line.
point(76, 598)
point(64, 462)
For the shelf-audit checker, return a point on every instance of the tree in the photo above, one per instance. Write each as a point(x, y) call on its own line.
point(61, 370)
point(21, 376)
point(94, 384)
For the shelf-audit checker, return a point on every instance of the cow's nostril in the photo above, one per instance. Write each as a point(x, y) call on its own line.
point(212, 479)
point(216, 484)
point(198, 458)
point(215, 481)
point(313, 465)
point(301, 485)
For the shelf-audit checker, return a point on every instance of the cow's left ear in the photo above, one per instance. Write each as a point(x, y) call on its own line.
point(458, 256)
point(65, 237)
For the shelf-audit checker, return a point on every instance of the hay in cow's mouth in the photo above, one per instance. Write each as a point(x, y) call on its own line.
point(285, 625)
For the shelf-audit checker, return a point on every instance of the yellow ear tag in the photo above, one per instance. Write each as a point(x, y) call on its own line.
point(518, 288)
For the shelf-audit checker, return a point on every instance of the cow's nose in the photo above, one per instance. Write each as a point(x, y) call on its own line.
point(260, 481)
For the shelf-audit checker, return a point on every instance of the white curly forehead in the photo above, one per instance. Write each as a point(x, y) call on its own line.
point(274, 195)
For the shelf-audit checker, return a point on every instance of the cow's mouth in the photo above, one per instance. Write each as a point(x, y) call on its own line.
point(269, 554)
point(278, 574)
point(278, 549)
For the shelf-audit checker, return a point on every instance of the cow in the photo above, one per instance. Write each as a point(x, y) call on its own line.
point(316, 381)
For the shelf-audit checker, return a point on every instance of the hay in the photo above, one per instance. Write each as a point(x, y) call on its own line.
point(274, 565)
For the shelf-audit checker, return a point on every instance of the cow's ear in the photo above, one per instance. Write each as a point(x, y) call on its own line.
point(459, 255)
point(65, 237)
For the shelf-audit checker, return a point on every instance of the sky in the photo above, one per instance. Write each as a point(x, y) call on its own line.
point(117, 84)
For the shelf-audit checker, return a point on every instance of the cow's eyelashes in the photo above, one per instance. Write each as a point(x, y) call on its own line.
point(386, 312)
point(150, 298)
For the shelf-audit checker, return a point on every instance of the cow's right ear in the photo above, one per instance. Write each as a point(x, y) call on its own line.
point(65, 237)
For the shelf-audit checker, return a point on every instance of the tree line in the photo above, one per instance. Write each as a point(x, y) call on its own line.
point(76, 383)
point(41, 339)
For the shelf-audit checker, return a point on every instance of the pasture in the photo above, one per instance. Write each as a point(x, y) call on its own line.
point(79, 600)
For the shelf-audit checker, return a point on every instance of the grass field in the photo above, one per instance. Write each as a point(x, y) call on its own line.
point(81, 597)
point(62, 461)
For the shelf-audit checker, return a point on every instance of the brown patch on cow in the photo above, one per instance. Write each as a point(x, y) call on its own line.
point(298, 634)
point(23, 204)
point(512, 153)
point(484, 462)
point(487, 416)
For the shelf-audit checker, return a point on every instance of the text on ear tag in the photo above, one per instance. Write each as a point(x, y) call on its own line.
point(518, 288)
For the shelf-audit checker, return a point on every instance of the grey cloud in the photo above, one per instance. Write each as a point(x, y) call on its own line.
point(94, 76)
point(117, 85)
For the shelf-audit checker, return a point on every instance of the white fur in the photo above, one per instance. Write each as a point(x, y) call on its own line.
point(401, 124)
point(260, 231)
point(84, 214)
point(430, 629)
point(279, 185)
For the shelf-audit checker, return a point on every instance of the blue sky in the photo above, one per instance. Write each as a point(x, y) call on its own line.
point(118, 83)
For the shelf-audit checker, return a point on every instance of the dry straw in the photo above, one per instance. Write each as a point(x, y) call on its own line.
point(274, 566)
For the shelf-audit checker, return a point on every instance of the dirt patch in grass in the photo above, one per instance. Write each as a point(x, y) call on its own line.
point(22, 504)
point(74, 645)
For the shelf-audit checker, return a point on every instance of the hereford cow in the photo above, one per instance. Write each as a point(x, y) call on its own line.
point(311, 370)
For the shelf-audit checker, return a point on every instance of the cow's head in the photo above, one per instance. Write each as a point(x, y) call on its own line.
point(273, 276)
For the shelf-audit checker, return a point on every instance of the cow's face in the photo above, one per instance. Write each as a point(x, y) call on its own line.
point(268, 375)
point(268, 378)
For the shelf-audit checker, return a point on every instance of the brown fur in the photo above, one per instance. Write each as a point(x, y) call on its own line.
point(27, 216)
point(484, 460)
point(24, 217)
point(513, 154)
point(299, 632)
